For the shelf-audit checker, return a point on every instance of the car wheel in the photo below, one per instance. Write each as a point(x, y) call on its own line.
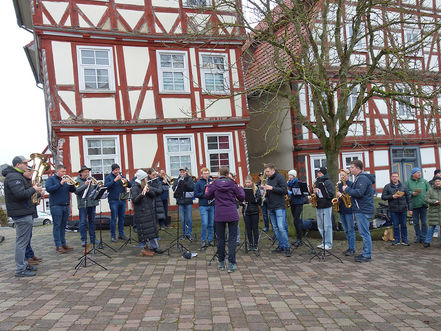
point(46, 222)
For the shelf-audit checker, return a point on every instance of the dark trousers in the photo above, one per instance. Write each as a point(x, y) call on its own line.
point(252, 227)
point(232, 236)
point(265, 215)
point(29, 251)
point(165, 204)
point(296, 211)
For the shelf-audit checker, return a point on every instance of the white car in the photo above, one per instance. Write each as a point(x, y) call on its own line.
point(42, 219)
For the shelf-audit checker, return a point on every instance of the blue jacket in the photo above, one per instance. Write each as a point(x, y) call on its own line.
point(199, 192)
point(294, 199)
point(165, 189)
point(58, 194)
point(114, 188)
point(362, 194)
point(343, 208)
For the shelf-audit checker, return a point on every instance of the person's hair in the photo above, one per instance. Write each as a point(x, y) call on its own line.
point(269, 165)
point(204, 169)
point(59, 167)
point(224, 171)
point(252, 181)
point(346, 171)
point(150, 171)
point(395, 173)
point(358, 164)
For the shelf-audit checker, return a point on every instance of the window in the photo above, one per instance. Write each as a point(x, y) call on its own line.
point(352, 100)
point(348, 158)
point(361, 43)
point(180, 153)
point(95, 69)
point(317, 162)
point(101, 153)
point(219, 151)
point(195, 3)
point(404, 103)
point(214, 73)
point(173, 72)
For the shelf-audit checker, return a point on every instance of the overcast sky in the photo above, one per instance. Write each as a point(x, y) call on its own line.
point(22, 103)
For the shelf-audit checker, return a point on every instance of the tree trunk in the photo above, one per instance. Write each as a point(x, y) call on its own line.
point(332, 164)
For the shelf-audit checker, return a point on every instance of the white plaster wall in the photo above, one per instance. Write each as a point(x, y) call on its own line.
point(381, 105)
point(233, 66)
point(428, 173)
point(136, 61)
point(75, 159)
point(228, 20)
point(69, 99)
point(93, 12)
point(164, 3)
point(176, 108)
point(132, 17)
point(381, 178)
point(126, 154)
point(131, 2)
point(407, 128)
point(144, 150)
point(199, 148)
point(148, 110)
point(217, 107)
point(238, 104)
point(167, 20)
point(198, 103)
point(62, 53)
point(427, 155)
point(194, 67)
point(366, 160)
point(237, 145)
point(74, 204)
point(99, 108)
point(381, 158)
point(56, 9)
point(378, 127)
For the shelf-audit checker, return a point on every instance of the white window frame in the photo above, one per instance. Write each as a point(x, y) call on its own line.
point(224, 72)
point(352, 99)
point(415, 35)
point(110, 70)
point(192, 153)
point(361, 44)
point(232, 164)
point(352, 156)
point(312, 158)
point(88, 158)
point(185, 72)
point(408, 115)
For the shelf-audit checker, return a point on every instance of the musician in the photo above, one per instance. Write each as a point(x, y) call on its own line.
point(225, 191)
point(324, 189)
point(275, 190)
point(18, 198)
point(156, 188)
point(345, 213)
point(86, 206)
point(164, 196)
point(183, 189)
point(59, 201)
point(399, 204)
point(296, 201)
point(117, 202)
point(263, 206)
point(206, 208)
point(363, 208)
point(253, 199)
point(233, 177)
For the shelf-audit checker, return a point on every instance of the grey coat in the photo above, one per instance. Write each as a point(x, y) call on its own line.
point(86, 202)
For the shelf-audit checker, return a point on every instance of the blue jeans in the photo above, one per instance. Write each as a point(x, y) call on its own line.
point(365, 234)
point(207, 222)
point(117, 209)
point(280, 226)
point(429, 234)
point(265, 215)
point(348, 226)
point(399, 221)
point(29, 251)
point(324, 221)
point(420, 214)
point(60, 214)
point(186, 219)
point(87, 216)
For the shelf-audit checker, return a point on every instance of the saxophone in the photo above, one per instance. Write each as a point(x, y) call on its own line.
point(335, 203)
point(346, 198)
point(263, 183)
point(314, 197)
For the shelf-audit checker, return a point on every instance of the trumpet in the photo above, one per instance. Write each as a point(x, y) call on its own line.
point(95, 181)
point(70, 181)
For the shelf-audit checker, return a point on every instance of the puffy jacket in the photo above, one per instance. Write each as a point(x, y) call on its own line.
point(343, 209)
point(328, 191)
point(252, 202)
point(362, 194)
point(86, 202)
point(434, 212)
point(399, 205)
point(183, 190)
point(423, 185)
point(156, 188)
point(295, 199)
point(144, 213)
point(58, 194)
point(275, 198)
point(114, 188)
point(18, 193)
point(199, 192)
point(226, 192)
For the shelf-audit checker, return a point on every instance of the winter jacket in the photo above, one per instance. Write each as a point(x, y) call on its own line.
point(144, 213)
point(156, 188)
point(165, 188)
point(275, 198)
point(399, 205)
point(225, 191)
point(328, 191)
point(418, 200)
point(342, 207)
point(58, 194)
point(199, 192)
point(432, 181)
point(183, 189)
point(86, 202)
point(18, 193)
point(252, 203)
point(114, 188)
point(295, 198)
point(362, 194)
point(434, 212)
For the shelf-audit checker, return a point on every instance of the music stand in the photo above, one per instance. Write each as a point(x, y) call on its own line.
point(129, 240)
point(177, 241)
point(99, 195)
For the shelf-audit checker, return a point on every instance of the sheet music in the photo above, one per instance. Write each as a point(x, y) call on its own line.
point(319, 193)
point(296, 191)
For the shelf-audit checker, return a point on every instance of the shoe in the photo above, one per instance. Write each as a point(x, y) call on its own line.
point(123, 237)
point(327, 247)
point(31, 268)
point(265, 229)
point(158, 250)
point(361, 259)
point(60, 249)
point(425, 245)
point(320, 246)
point(211, 243)
point(405, 243)
point(298, 243)
point(277, 250)
point(349, 252)
point(287, 252)
point(32, 262)
point(67, 248)
point(83, 243)
point(38, 259)
point(221, 265)
point(147, 253)
point(204, 244)
point(395, 243)
point(113, 240)
point(25, 273)
point(231, 268)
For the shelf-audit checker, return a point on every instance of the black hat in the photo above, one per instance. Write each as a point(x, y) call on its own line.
point(436, 172)
point(19, 159)
point(84, 168)
point(323, 170)
point(261, 173)
point(437, 178)
point(115, 166)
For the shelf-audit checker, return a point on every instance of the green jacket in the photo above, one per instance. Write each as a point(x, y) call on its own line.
point(434, 212)
point(418, 200)
point(86, 202)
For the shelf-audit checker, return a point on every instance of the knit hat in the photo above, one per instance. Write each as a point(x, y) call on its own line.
point(415, 170)
point(19, 159)
point(292, 173)
point(436, 172)
point(323, 170)
point(115, 166)
point(436, 178)
point(140, 175)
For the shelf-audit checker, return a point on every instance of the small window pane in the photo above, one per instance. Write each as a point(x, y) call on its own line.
point(87, 57)
point(94, 147)
point(166, 61)
point(102, 57)
point(109, 147)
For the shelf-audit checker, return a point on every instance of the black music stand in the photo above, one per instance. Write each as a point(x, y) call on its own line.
point(130, 239)
point(177, 241)
point(101, 194)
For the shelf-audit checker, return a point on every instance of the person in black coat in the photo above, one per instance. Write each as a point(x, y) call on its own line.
point(144, 213)
point(156, 187)
point(253, 199)
point(183, 192)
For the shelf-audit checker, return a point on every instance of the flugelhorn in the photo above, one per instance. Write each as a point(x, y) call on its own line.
point(70, 181)
point(95, 181)
point(124, 182)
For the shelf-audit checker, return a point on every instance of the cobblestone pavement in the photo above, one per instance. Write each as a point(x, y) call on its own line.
point(398, 290)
